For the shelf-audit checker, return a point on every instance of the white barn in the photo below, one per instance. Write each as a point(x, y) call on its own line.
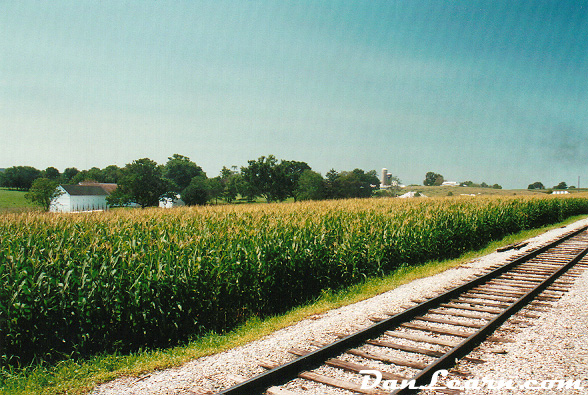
point(86, 197)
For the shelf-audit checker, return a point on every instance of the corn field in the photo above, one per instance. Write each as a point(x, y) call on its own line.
point(78, 284)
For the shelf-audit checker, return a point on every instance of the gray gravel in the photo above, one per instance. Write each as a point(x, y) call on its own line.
point(567, 325)
point(553, 347)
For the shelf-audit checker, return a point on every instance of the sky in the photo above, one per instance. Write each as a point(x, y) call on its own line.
point(491, 91)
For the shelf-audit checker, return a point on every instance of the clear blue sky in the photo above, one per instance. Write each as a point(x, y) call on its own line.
point(493, 91)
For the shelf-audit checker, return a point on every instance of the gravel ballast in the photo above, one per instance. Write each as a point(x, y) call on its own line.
point(529, 357)
point(554, 347)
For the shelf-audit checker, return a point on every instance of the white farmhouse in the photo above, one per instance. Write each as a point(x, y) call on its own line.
point(86, 197)
point(168, 202)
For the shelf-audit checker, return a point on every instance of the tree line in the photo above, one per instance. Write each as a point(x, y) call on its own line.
point(436, 179)
point(145, 182)
point(561, 185)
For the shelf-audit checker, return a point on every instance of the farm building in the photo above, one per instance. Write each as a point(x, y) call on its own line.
point(83, 197)
point(169, 202)
point(450, 184)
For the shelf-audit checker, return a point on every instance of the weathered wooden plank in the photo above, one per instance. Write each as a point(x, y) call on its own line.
point(402, 347)
point(417, 350)
point(441, 331)
point(268, 364)
point(346, 385)
point(449, 332)
point(388, 359)
point(449, 322)
point(486, 296)
point(461, 314)
point(470, 308)
point(423, 339)
point(473, 302)
point(356, 368)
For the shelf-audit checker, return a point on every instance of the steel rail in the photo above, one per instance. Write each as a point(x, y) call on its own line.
point(289, 371)
point(466, 346)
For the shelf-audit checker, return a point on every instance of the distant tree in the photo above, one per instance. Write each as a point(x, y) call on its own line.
point(214, 188)
point(197, 191)
point(561, 185)
point(484, 185)
point(330, 182)
point(353, 184)
point(180, 170)
point(69, 174)
point(288, 174)
point(229, 179)
point(432, 178)
point(371, 177)
point(311, 186)
point(270, 179)
point(42, 192)
point(111, 174)
point(245, 189)
point(496, 186)
point(92, 175)
point(536, 185)
point(51, 173)
point(142, 182)
point(20, 177)
point(260, 175)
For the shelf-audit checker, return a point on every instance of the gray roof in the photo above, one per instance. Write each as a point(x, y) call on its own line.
point(85, 190)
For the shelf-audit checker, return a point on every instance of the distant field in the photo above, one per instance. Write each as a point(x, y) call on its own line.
point(14, 201)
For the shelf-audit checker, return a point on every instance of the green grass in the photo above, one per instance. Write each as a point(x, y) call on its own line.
point(14, 201)
point(79, 377)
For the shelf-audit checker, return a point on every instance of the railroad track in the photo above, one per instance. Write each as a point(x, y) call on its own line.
point(441, 330)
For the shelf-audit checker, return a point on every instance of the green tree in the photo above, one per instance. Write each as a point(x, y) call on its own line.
point(42, 192)
point(330, 182)
point(561, 185)
point(229, 179)
point(263, 177)
point(245, 189)
point(111, 174)
point(432, 178)
point(20, 177)
point(536, 185)
point(142, 182)
point(180, 170)
point(353, 184)
point(197, 191)
point(215, 188)
point(69, 174)
point(288, 174)
point(311, 186)
point(51, 173)
point(92, 175)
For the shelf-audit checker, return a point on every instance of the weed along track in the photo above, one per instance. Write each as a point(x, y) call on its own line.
point(435, 333)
